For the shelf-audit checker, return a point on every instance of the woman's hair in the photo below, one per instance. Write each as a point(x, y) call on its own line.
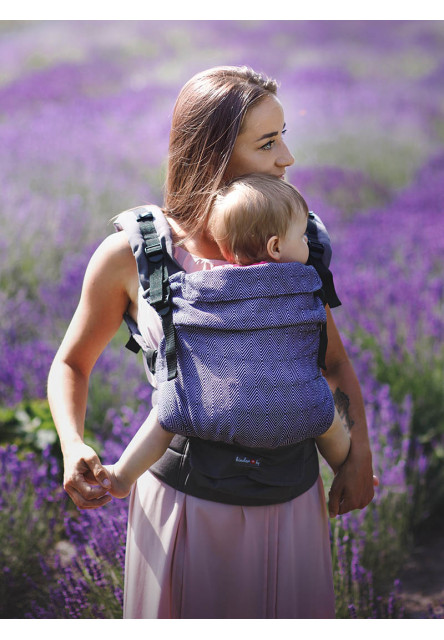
point(248, 211)
point(207, 118)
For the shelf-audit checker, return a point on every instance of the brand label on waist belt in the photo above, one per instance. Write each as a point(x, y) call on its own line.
point(244, 461)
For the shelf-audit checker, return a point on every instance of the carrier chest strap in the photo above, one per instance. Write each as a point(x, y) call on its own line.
point(158, 294)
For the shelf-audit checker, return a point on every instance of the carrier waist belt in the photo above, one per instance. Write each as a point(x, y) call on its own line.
point(238, 475)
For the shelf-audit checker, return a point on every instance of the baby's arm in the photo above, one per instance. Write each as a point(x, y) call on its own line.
point(334, 444)
point(148, 445)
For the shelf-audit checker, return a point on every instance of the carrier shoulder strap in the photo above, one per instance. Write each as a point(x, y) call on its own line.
point(323, 337)
point(157, 291)
point(319, 258)
point(149, 237)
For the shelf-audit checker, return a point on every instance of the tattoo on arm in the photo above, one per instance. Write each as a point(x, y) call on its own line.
point(342, 402)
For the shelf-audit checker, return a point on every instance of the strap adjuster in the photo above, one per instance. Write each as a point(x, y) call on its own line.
point(162, 307)
point(154, 253)
point(151, 357)
point(146, 215)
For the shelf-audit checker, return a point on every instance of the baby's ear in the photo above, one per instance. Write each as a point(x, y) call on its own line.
point(273, 248)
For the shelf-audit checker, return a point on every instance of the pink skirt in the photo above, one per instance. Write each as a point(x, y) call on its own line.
point(192, 558)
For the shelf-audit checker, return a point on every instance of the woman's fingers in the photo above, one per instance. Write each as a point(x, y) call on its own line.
point(86, 480)
point(101, 475)
point(98, 476)
point(87, 503)
point(85, 485)
point(344, 497)
point(86, 495)
point(334, 499)
point(93, 470)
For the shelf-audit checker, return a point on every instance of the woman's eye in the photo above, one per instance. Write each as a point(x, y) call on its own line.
point(268, 145)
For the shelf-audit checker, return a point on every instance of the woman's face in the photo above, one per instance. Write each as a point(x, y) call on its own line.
point(260, 147)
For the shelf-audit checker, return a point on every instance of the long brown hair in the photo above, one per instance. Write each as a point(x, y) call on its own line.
point(207, 118)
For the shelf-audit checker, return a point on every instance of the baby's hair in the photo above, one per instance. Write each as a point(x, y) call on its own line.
point(248, 211)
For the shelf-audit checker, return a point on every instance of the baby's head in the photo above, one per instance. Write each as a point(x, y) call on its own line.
point(260, 217)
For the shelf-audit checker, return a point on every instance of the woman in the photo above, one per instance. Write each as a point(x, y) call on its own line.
point(203, 543)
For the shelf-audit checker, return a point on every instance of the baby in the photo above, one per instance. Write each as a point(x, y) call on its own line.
point(252, 222)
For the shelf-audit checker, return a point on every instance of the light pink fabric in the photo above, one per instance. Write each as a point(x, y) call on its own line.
point(192, 558)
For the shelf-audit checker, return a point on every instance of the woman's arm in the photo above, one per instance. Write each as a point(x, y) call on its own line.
point(108, 288)
point(353, 485)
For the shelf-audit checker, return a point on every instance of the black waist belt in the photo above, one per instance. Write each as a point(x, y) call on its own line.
point(242, 476)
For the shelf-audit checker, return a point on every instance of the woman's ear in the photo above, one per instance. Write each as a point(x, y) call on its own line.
point(273, 248)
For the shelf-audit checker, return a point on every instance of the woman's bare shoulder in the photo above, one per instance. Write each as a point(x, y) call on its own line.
point(114, 260)
point(115, 251)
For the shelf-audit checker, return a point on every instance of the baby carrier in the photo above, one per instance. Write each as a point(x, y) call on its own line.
point(206, 469)
point(242, 349)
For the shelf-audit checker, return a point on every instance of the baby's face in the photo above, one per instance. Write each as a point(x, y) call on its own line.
point(294, 245)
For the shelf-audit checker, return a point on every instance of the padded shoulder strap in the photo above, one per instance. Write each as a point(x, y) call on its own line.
point(157, 291)
point(320, 256)
point(150, 239)
point(128, 222)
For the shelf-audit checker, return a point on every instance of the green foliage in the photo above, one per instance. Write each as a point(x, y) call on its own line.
point(358, 594)
point(50, 564)
point(388, 537)
point(389, 162)
point(101, 578)
point(368, 550)
point(30, 426)
point(29, 528)
point(419, 375)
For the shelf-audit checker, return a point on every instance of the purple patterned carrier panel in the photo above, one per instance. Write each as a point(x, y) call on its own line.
point(247, 348)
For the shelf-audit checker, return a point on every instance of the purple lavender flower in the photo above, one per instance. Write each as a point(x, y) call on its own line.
point(364, 115)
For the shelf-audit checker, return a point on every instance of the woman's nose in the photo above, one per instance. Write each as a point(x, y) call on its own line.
point(285, 159)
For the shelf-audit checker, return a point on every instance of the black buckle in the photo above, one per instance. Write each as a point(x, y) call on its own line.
point(147, 215)
point(153, 249)
point(133, 345)
point(151, 357)
point(162, 307)
point(154, 253)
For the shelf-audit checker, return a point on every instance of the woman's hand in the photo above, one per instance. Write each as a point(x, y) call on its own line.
point(86, 480)
point(353, 485)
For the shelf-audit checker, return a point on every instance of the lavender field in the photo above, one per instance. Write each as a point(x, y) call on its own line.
point(85, 110)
